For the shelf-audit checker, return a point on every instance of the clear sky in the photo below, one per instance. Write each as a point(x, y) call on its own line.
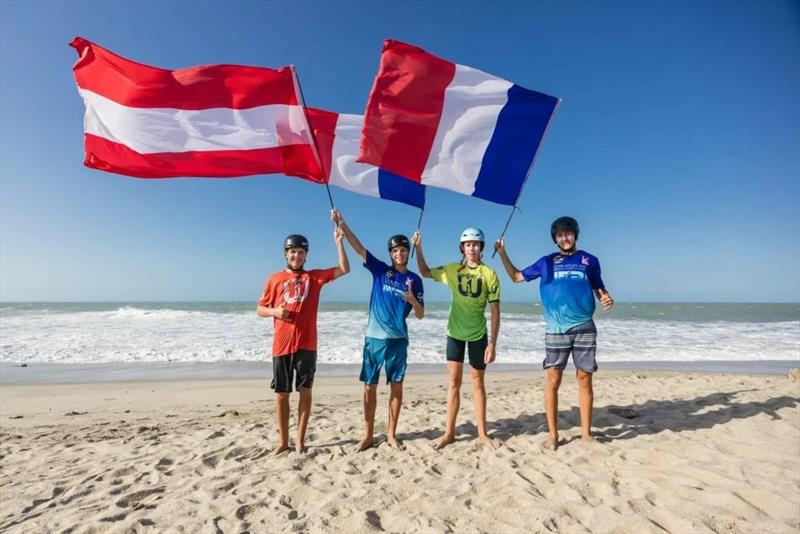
point(677, 147)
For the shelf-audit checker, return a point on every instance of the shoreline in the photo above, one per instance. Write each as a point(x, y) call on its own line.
point(12, 374)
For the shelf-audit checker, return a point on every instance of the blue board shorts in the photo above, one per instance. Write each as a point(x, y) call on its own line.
point(580, 340)
point(377, 352)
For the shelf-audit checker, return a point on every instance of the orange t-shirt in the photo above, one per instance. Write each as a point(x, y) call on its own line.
point(299, 295)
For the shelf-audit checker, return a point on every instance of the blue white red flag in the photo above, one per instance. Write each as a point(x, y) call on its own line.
point(338, 136)
point(446, 125)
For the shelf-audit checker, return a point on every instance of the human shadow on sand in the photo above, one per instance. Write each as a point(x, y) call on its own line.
point(651, 417)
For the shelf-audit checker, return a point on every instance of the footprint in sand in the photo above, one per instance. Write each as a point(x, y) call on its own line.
point(133, 499)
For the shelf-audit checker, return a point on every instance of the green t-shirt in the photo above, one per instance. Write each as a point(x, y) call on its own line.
point(471, 289)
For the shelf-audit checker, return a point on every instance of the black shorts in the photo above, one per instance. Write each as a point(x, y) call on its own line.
point(302, 362)
point(476, 350)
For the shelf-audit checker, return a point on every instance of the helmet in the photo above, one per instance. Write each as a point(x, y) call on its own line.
point(295, 241)
point(564, 224)
point(472, 234)
point(398, 240)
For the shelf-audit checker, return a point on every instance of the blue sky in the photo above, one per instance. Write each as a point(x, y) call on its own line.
point(677, 147)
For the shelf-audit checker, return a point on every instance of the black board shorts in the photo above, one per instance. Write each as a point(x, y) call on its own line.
point(300, 366)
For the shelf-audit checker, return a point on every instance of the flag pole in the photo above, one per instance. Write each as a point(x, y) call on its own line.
point(419, 222)
point(299, 91)
point(535, 156)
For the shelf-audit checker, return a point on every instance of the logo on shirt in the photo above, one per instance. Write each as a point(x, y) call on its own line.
point(584, 260)
point(295, 290)
point(470, 286)
point(569, 275)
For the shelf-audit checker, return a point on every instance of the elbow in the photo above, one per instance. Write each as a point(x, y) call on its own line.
point(420, 314)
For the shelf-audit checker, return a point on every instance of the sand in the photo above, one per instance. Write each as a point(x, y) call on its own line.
point(704, 453)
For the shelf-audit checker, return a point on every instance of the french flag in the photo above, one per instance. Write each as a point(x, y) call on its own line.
point(208, 121)
point(452, 126)
point(338, 136)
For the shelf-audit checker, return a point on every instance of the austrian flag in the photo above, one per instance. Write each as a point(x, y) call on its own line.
point(207, 121)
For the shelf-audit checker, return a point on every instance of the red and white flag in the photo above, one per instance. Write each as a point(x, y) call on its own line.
point(207, 121)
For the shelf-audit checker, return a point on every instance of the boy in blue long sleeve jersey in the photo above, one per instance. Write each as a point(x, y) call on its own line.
point(570, 281)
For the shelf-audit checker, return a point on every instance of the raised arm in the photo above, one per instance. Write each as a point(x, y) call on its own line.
point(513, 272)
point(336, 217)
point(422, 265)
point(344, 264)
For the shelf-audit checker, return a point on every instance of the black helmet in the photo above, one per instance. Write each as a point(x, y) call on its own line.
point(398, 240)
point(564, 224)
point(295, 241)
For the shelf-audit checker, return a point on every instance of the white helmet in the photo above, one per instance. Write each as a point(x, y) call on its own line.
point(472, 234)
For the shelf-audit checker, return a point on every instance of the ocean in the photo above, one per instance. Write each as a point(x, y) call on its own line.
point(226, 332)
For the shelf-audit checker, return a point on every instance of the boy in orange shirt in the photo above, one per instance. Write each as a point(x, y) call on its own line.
point(291, 298)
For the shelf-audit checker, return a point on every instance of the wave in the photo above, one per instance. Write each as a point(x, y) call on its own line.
point(122, 334)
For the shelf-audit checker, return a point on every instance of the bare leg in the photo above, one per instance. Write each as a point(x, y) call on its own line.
point(454, 373)
point(551, 405)
point(282, 415)
point(585, 401)
point(479, 402)
point(303, 413)
point(370, 402)
point(395, 403)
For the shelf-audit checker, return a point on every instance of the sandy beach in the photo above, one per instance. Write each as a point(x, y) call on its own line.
point(699, 453)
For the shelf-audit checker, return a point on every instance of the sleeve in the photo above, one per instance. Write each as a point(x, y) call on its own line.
point(440, 274)
point(374, 265)
point(593, 272)
point(492, 286)
point(323, 276)
point(266, 295)
point(534, 271)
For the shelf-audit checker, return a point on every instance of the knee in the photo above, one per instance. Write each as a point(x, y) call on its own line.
point(454, 382)
point(584, 380)
point(477, 382)
point(553, 381)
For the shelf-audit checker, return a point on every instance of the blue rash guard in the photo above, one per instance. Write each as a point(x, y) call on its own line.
point(566, 288)
point(387, 307)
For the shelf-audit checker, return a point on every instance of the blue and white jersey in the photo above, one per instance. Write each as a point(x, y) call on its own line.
point(387, 307)
point(566, 288)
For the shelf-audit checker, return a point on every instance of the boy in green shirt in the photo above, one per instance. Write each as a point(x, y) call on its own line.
point(472, 285)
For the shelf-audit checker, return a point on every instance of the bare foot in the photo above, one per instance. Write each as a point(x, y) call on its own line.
point(444, 442)
point(395, 443)
point(300, 448)
point(364, 444)
point(589, 440)
point(489, 443)
point(551, 444)
point(280, 449)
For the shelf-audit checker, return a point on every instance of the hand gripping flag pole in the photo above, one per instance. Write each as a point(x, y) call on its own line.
point(419, 222)
point(311, 131)
point(533, 162)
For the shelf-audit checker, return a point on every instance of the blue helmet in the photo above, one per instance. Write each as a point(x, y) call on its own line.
point(472, 234)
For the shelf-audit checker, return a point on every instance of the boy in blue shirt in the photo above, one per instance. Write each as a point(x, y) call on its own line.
point(395, 292)
point(570, 281)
